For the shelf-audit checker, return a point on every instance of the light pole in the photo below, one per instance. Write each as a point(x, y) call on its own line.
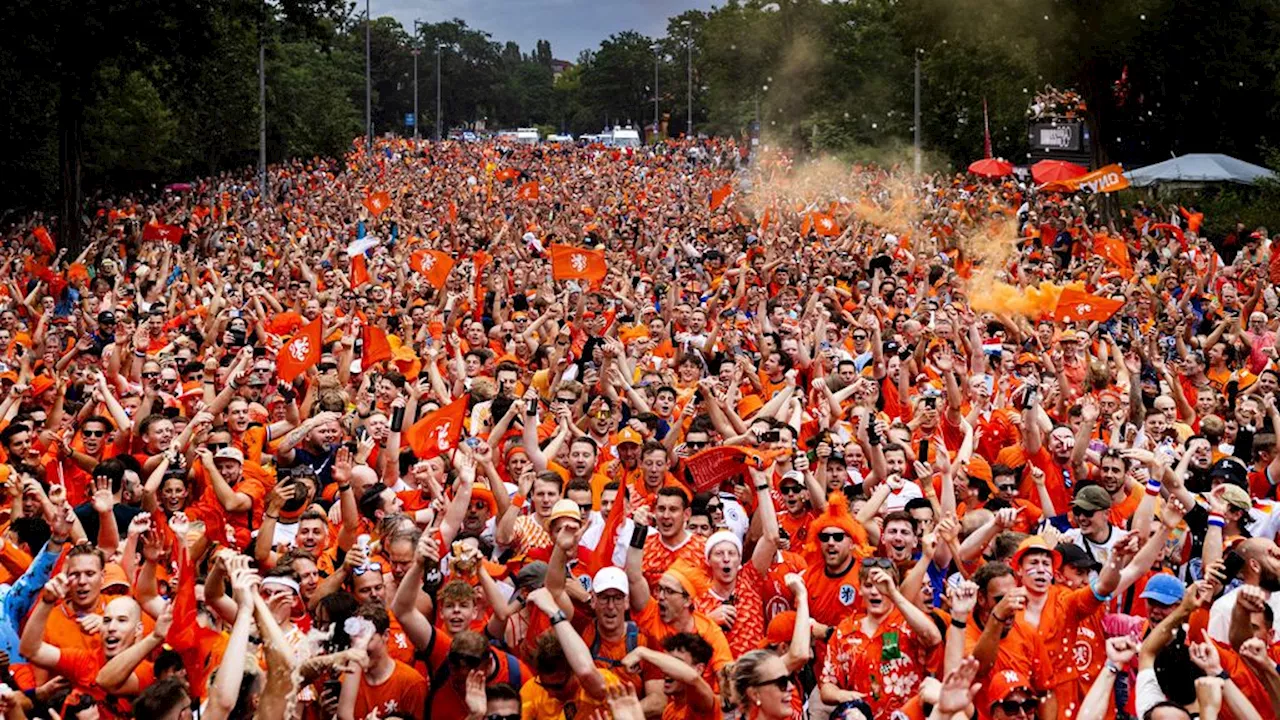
point(439, 119)
point(917, 113)
point(688, 130)
point(262, 104)
point(657, 55)
point(368, 82)
point(417, 50)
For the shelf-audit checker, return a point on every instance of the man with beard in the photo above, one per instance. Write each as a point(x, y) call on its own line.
point(1060, 459)
point(313, 443)
point(21, 454)
point(898, 540)
point(990, 631)
point(1094, 532)
point(1261, 568)
point(672, 541)
point(114, 472)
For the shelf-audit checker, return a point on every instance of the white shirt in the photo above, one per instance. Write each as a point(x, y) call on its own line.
point(1098, 551)
point(1220, 614)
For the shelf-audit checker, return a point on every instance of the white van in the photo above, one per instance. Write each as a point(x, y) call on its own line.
point(527, 136)
point(621, 137)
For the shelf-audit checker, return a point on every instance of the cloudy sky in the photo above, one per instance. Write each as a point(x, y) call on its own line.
point(570, 25)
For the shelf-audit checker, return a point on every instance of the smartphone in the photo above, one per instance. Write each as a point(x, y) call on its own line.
point(923, 455)
point(770, 436)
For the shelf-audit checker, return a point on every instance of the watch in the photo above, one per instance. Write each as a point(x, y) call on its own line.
point(557, 618)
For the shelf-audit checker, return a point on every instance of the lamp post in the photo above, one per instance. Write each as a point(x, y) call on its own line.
point(439, 119)
point(917, 113)
point(688, 130)
point(368, 82)
point(657, 55)
point(417, 50)
point(262, 104)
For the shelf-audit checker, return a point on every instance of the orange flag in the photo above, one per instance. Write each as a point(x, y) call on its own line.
point(1075, 305)
point(821, 223)
point(359, 271)
point(434, 264)
point(170, 233)
point(574, 263)
point(720, 194)
point(46, 242)
point(376, 346)
point(453, 211)
point(300, 352)
point(506, 174)
point(1114, 251)
point(377, 202)
point(528, 191)
point(439, 431)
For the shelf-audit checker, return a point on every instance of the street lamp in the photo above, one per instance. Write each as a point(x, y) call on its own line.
point(417, 50)
point(439, 49)
point(368, 83)
point(657, 55)
point(688, 130)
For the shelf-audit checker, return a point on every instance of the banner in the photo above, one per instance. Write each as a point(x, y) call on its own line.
point(713, 466)
point(1103, 180)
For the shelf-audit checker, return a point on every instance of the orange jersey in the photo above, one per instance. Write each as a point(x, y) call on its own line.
point(403, 693)
point(886, 667)
point(658, 556)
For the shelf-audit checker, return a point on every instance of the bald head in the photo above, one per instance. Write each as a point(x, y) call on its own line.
point(363, 477)
point(121, 625)
point(1262, 563)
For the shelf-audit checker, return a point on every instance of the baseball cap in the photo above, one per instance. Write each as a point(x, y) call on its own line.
point(611, 578)
point(1076, 557)
point(1164, 589)
point(564, 508)
point(1005, 682)
point(229, 453)
point(106, 317)
point(1231, 470)
point(1035, 543)
point(781, 629)
point(1237, 497)
point(1092, 498)
point(627, 435)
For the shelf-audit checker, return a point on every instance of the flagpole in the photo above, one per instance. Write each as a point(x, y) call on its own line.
point(262, 105)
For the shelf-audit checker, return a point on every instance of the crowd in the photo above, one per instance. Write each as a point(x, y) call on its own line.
point(512, 433)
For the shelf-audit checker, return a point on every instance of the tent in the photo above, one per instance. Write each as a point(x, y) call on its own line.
point(1197, 169)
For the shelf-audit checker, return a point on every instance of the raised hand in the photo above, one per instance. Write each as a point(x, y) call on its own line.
point(963, 598)
point(959, 688)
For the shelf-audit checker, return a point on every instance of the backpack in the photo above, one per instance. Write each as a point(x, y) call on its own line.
point(632, 641)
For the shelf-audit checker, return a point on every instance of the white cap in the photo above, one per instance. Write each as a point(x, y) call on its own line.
point(611, 578)
point(229, 453)
point(721, 536)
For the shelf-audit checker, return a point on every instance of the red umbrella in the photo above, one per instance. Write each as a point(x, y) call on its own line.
point(1048, 171)
point(991, 167)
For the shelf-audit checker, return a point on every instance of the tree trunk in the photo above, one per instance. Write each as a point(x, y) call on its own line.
point(70, 135)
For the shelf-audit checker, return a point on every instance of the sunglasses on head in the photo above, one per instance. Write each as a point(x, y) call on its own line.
point(877, 562)
point(1013, 707)
point(371, 567)
point(835, 536)
point(782, 682)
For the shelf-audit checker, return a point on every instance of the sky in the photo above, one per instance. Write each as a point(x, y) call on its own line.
point(571, 25)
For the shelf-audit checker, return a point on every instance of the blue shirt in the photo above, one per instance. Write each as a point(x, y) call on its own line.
point(16, 599)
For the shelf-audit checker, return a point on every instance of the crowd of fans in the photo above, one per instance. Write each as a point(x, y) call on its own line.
point(926, 510)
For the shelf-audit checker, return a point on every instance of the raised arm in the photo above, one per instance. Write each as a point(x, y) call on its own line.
point(571, 644)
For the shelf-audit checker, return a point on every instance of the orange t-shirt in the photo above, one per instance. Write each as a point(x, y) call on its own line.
point(403, 693)
point(81, 668)
point(652, 625)
point(658, 556)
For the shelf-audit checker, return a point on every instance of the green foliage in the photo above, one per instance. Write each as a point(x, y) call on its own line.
point(130, 132)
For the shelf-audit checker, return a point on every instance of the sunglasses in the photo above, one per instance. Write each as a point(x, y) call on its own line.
point(513, 716)
point(93, 433)
point(859, 336)
point(791, 489)
point(1013, 707)
point(782, 682)
point(1006, 488)
point(585, 509)
point(327, 368)
point(832, 536)
point(371, 567)
point(877, 562)
point(150, 375)
point(696, 445)
point(215, 447)
point(566, 401)
point(714, 507)
point(1081, 512)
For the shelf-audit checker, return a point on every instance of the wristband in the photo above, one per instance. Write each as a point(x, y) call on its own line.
point(1216, 520)
point(1100, 598)
point(139, 354)
point(57, 541)
point(959, 624)
point(1115, 669)
point(273, 517)
point(557, 618)
point(831, 630)
point(344, 488)
point(1225, 675)
point(762, 488)
point(638, 535)
point(517, 501)
point(1153, 487)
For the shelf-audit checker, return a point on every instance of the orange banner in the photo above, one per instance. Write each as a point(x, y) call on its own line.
point(1103, 180)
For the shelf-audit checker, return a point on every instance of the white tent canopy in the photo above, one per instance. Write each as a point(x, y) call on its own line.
point(1199, 168)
